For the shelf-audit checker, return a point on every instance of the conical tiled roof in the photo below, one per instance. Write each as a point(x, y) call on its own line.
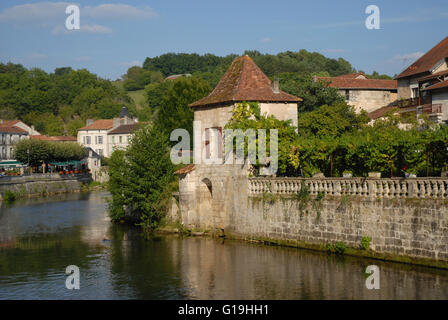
point(124, 112)
point(244, 81)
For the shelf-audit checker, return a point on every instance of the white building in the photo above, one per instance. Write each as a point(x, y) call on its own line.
point(105, 135)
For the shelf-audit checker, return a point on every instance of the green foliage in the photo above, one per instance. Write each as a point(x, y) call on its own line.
point(118, 182)
point(51, 101)
point(174, 110)
point(9, 197)
point(331, 121)
point(137, 78)
point(297, 62)
point(140, 179)
point(314, 93)
point(338, 248)
point(36, 152)
point(155, 92)
point(365, 243)
point(247, 116)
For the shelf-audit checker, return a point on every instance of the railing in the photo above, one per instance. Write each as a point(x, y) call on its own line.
point(377, 188)
point(413, 102)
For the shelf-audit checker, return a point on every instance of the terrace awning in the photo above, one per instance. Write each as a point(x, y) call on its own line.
point(10, 164)
point(68, 163)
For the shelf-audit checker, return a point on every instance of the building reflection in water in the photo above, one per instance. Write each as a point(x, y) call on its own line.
point(237, 270)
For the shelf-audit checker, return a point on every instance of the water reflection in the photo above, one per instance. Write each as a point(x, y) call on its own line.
point(40, 237)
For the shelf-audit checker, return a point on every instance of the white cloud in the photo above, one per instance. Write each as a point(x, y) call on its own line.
point(118, 11)
point(52, 14)
point(408, 57)
point(35, 13)
point(132, 64)
point(265, 40)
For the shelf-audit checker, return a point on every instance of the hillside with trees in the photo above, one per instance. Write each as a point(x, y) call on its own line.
point(59, 103)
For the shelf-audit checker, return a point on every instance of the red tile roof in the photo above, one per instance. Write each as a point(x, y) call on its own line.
point(102, 124)
point(352, 75)
point(125, 128)
point(352, 83)
point(380, 112)
point(428, 60)
point(440, 85)
point(11, 129)
point(434, 75)
point(244, 81)
point(185, 170)
point(53, 138)
point(9, 122)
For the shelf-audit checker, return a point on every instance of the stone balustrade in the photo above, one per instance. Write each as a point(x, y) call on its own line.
point(436, 188)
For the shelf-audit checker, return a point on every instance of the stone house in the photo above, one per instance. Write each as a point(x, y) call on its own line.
point(119, 137)
point(423, 86)
point(210, 193)
point(96, 133)
point(364, 93)
point(10, 134)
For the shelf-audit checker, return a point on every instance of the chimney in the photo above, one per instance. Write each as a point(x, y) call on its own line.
point(275, 86)
point(89, 122)
point(116, 122)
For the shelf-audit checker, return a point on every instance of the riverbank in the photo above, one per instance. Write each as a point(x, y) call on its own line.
point(337, 249)
point(38, 185)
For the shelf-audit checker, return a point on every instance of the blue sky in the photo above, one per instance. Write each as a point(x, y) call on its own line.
point(117, 34)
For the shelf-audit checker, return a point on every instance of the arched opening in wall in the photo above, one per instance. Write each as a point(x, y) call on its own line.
point(205, 203)
point(208, 183)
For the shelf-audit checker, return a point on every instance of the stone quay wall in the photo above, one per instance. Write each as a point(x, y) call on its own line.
point(406, 219)
point(42, 184)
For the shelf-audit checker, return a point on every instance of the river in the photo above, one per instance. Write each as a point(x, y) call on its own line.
point(39, 238)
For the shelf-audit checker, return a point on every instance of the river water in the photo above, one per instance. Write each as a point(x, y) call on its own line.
point(39, 238)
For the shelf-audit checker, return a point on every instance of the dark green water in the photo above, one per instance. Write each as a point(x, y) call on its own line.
point(40, 238)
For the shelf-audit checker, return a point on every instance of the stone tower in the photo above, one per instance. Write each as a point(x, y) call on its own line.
point(209, 193)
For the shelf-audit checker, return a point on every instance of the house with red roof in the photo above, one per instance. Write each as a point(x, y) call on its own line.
point(105, 135)
point(9, 135)
point(363, 93)
point(423, 86)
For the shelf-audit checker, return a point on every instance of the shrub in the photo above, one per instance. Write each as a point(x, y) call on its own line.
point(9, 196)
point(365, 243)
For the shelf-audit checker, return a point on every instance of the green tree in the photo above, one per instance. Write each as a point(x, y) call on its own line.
point(32, 152)
point(174, 110)
point(314, 93)
point(141, 177)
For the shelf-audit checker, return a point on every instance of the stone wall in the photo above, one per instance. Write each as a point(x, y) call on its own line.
point(409, 218)
point(42, 184)
point(370, 100)
point(406, 219)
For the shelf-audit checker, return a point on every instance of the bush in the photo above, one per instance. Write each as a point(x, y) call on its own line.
point(9, 196)
point(140, 179)
point(365, 243)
